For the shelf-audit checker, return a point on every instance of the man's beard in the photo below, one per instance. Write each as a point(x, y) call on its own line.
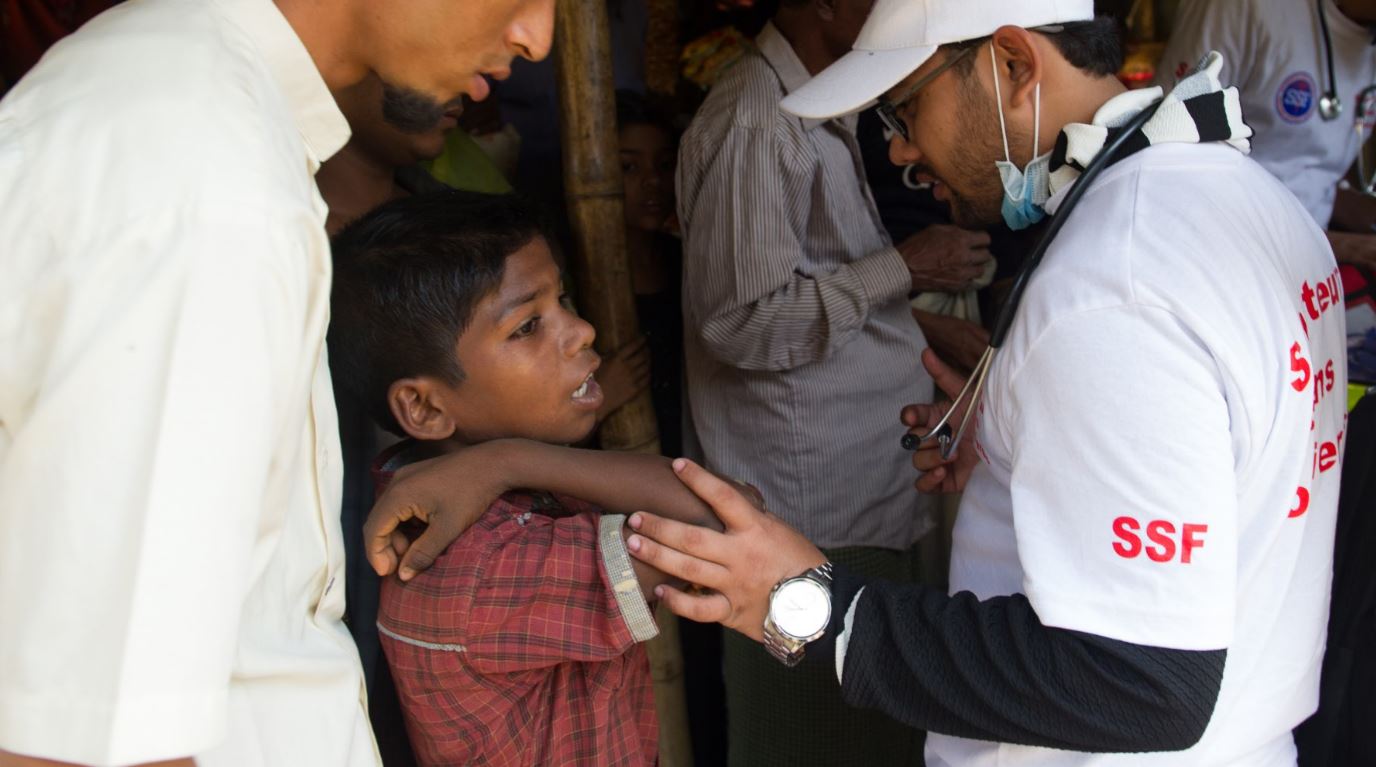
point(979, 204)
point(411, 111)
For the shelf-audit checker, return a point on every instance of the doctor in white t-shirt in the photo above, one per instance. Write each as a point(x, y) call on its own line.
point(1141, 564)
point(1275, 54)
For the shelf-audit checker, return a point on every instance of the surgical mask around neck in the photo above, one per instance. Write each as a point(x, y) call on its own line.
point(1025, 192)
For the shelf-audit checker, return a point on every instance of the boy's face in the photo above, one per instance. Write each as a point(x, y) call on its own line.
point(528, 362)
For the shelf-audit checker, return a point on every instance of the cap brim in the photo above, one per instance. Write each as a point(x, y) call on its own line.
point(854, 82)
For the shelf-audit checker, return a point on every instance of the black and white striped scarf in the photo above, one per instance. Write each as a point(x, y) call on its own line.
point(1198, 110)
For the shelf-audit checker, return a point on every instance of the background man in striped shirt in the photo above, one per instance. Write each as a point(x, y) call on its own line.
point(801, 351)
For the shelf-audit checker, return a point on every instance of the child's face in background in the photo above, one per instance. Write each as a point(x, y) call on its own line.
point(528, 362)
point(647, 170)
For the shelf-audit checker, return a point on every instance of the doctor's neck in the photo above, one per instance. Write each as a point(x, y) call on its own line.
point(1071, 95)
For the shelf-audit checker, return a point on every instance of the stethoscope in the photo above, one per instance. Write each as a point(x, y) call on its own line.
point(974, 385)
point(1330, 105)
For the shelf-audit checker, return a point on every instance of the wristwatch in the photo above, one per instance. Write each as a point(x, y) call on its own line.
point(799, 610)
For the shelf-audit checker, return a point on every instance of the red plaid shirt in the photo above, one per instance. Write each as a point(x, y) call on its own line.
point(512, 649)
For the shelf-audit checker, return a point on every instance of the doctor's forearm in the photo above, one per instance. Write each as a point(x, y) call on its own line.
point(990, 670)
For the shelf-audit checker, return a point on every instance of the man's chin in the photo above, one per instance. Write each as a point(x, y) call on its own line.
point(414, 112)
point(974, 217)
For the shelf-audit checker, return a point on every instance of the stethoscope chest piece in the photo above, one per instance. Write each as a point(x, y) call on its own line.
point(1330, 107)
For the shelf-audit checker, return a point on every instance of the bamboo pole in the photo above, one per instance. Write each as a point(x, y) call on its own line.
point(592, 180)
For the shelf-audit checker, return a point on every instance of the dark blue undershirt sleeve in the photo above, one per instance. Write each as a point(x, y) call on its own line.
point(990, 670)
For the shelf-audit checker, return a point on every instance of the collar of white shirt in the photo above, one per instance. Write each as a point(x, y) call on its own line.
point(317, 117)
point(792, 74)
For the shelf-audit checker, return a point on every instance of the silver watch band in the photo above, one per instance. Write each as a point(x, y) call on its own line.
point(790, 650)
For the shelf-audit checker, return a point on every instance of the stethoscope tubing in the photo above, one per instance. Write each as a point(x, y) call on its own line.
point(974, 385)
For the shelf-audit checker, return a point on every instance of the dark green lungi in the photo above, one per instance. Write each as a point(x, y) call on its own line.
point(794, 717)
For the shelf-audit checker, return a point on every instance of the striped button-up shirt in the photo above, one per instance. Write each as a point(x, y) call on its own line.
point(800, 347)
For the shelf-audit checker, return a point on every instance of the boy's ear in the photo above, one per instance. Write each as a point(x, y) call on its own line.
point(419, 410)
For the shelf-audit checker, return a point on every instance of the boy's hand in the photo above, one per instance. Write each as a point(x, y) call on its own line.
point(623, 375)
point(741, 564)
point(940, 476)
point(448, 494)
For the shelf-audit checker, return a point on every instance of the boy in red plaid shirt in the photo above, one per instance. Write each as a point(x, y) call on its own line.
point(521, 644)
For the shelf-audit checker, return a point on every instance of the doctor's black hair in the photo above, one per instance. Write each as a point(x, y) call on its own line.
point(1094, 47)
point(407, 279)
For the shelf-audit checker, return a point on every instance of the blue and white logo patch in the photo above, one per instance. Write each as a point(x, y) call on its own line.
point(1296, 98)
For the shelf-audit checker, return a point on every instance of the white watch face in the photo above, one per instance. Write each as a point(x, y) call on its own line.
point(800, 608)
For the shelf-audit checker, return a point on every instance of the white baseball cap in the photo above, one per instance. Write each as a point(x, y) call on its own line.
point(902, 34)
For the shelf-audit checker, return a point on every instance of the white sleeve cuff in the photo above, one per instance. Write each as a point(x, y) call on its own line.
point(843, 639)
point(621, 576)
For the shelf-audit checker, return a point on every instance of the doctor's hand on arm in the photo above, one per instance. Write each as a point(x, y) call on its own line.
point(945, 258)
point(940, 475)
point(740, 564)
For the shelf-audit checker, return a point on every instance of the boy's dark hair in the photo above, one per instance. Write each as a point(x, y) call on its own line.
point(1094, 47)
point(635, 109)
point(407, 278)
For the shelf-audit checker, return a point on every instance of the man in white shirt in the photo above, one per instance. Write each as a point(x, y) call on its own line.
point(171, 568)
point(1141, 563)
point(1274, 52)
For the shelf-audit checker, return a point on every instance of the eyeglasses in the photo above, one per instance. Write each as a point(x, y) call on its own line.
point(888, 110)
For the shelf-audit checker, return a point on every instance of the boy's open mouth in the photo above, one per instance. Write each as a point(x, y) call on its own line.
point(582, 390)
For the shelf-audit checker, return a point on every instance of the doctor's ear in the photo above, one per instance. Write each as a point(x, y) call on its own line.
point(1019, 63)
point(826, 9)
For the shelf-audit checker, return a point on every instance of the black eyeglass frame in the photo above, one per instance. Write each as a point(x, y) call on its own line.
point(888, 111)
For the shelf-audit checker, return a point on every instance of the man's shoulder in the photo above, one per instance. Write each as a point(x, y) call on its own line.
point(161, 51)
point(170, 82)
point(1210, 182)
point(746, 96)
point(1179, 226)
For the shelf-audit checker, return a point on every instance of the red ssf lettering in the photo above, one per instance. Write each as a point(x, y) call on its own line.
point(1161, 534)
point(1159, 531)
point(1188, 541)
point(1126, 529)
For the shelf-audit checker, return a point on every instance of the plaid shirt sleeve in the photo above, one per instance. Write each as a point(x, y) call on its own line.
point(552, 589)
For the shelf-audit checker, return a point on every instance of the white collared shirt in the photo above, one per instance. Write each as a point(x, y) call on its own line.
point(171, 563)
point(1273, 52)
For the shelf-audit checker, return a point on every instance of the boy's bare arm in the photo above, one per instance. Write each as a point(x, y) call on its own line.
point(622, 483)
point(450, 492)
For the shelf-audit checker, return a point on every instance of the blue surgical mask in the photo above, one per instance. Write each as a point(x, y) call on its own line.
point(1024, 191)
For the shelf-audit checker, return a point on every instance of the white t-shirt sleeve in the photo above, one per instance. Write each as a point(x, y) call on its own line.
point(1123, 480)
point(133, 492)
